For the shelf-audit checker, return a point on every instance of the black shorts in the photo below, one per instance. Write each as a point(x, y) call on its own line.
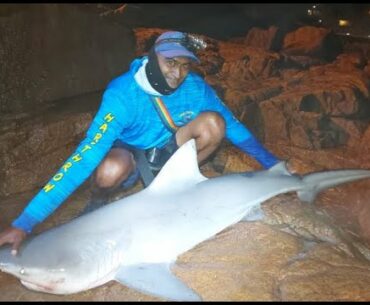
point(156, 157)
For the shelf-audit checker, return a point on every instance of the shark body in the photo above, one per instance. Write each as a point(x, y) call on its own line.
point(135, 240)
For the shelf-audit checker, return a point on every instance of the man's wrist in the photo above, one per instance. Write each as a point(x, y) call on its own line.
point(254, 148)
point(25, 222)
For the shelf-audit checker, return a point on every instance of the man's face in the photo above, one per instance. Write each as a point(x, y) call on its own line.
point(174, 69)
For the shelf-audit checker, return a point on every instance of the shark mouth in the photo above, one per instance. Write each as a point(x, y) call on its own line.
point(48, 288)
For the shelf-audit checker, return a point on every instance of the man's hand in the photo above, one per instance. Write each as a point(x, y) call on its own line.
point(292, 166)
point(14, 237)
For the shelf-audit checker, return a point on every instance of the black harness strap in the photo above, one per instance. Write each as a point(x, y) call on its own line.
point(140, 155)
point(143, 166)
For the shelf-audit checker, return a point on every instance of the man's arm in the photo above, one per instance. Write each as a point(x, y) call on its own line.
point(76, 169)
point(254, 148)
point(238, 134)
point(103, 130)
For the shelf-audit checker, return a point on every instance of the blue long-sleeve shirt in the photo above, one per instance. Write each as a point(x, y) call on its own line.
point(127, 113)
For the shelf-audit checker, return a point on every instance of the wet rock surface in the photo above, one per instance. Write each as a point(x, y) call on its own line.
point(30, 141)
point(54, 51)
point(304, 107)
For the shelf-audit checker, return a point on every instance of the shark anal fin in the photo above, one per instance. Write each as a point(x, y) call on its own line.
point(157, 280)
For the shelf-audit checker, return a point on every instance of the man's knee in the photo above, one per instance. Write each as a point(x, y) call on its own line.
point(114, 169)
point(213, 125)
point(208, 128)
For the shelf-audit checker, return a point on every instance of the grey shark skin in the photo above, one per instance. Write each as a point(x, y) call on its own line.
point(136, 239)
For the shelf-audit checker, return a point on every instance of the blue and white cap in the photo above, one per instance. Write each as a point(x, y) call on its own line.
point(172, 44)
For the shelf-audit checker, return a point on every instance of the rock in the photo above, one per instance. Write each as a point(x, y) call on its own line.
point(351, 61)
point(354, 129)
point(312, 41)
point(232, 160)
point(310, 223)
point(255, 64)
point(321, 108)
point(299, 61)
point(363, 216)
point(232, 51)
point(365, 142)
point(324, 274)
point(270, 39)
point(367, 69)
point(39, 145)
point(210, 63)
point(239, 264)
point(145, 38)
point(54, 51)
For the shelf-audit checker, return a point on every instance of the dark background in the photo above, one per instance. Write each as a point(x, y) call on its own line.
point(226, 20)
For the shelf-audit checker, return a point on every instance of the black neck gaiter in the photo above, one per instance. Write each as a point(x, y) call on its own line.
point(155, 76)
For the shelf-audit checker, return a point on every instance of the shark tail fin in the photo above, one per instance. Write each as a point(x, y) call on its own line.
point(316, 182)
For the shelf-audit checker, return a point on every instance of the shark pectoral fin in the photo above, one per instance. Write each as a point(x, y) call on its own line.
point(155, 279)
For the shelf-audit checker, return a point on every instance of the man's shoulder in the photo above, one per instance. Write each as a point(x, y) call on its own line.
point(195, 80)
point(197, 84)
point(195, 77)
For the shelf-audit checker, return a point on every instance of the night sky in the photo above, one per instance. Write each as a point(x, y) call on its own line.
point(229, 20)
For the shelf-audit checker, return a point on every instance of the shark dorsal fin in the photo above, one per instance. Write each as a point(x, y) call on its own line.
point(180, 171)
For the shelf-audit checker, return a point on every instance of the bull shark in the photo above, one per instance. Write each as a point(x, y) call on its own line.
point(135, 240)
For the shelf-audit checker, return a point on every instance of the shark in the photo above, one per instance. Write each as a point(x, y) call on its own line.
point(137, 239)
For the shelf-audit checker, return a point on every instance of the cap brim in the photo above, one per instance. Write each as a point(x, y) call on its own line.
point(178, 53)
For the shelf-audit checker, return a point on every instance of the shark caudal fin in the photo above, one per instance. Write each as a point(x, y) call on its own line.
point(316, 182)
point(180, 171)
